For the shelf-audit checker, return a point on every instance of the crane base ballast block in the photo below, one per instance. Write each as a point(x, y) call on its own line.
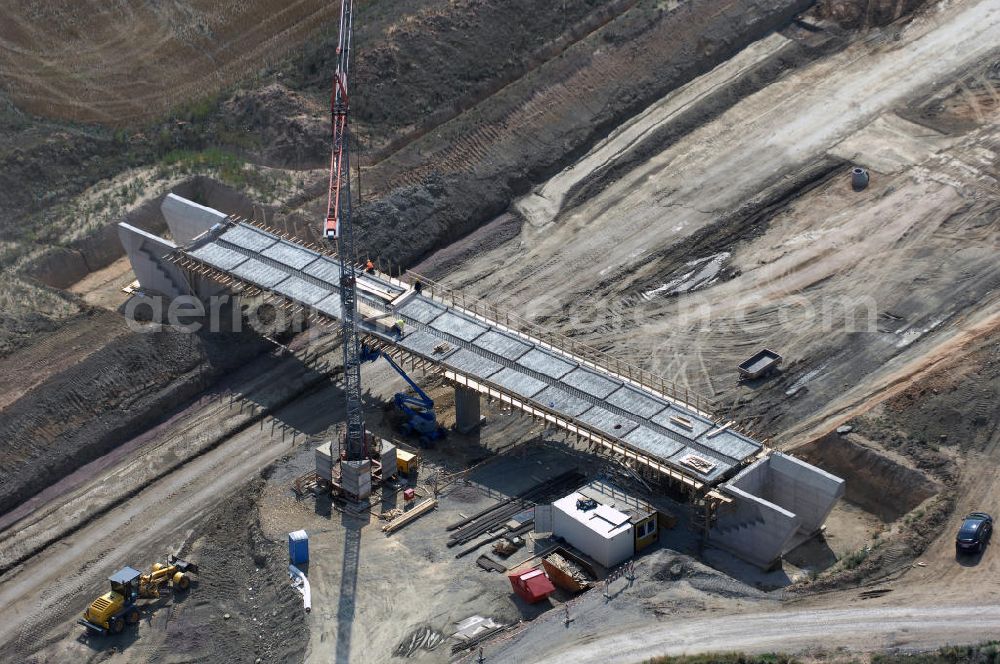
point(356, 479)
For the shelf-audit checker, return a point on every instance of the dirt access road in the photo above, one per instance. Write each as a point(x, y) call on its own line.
point(855, 629)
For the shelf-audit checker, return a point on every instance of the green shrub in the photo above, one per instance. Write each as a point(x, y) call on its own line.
point(726, 658)
point(231, 168)
point(854, 559)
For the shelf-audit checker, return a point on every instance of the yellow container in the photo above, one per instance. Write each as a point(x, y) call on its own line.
point(406, 461)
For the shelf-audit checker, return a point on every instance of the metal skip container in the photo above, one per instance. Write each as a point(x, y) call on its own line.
point(298, 547)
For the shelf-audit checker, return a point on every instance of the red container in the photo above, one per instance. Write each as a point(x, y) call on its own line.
point(531, 585)
point(409, 494)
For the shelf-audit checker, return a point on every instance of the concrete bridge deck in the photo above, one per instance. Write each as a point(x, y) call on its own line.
point(755, 502)
point(618, 410)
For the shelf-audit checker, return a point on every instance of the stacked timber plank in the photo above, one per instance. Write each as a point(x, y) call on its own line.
point(411, 515)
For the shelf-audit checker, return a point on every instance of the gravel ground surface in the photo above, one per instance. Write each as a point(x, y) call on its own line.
point(623, 206)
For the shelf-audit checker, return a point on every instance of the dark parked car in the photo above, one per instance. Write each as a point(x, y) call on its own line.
point(974, 534)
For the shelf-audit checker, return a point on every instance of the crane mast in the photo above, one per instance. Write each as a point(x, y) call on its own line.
point(339, 229)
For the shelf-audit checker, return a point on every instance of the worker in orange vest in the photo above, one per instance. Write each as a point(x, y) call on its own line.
point(370, 267)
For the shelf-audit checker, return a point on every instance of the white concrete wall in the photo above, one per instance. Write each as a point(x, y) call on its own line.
point(387, 457)
point(186, 219)
point(324, 462)
point(146, 251)
point(753, 479)
point(803, 488)
point(753, 528)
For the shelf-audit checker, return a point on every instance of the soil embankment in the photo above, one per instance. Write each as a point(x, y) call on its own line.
point(60, 267)
point(878, 484)
point(119, 390)
point(467, 171)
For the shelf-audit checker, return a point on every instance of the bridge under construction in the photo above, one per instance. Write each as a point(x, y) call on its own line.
point(749, 492)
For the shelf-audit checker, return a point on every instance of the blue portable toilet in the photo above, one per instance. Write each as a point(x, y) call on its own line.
point(298, 547)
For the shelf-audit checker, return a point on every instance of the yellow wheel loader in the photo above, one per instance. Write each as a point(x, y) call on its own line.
point(110, 612)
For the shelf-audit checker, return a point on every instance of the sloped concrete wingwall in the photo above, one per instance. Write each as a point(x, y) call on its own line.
point(775, 499)
point(145, 252)
point(186, 219)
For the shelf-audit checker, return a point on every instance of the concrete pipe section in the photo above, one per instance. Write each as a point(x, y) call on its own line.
point(859, 178)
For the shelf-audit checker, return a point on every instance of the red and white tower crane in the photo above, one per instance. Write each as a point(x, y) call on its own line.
point(339, 229)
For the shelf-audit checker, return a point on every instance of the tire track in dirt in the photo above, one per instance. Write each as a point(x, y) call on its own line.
point(73, 64)
point(166, 506)
point(210, 425)
point(492, 140)
point(915, 366)
point(71, 343)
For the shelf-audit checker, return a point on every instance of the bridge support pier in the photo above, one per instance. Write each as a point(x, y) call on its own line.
point(467, 409)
